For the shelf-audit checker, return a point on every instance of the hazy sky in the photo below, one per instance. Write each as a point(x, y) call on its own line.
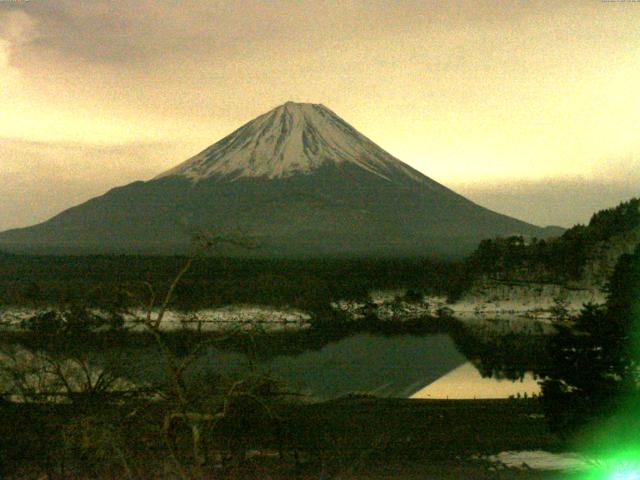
point(531, 108)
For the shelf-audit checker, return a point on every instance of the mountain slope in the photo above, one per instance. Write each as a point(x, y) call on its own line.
point(298, 179)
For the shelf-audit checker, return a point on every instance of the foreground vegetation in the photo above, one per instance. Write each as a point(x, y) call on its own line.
point(351, 437)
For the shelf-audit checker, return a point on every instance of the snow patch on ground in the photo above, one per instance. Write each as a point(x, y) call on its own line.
point(518, 308)
point(540, 460)
point(249, 316)
point(536, 301)
point(233, 316)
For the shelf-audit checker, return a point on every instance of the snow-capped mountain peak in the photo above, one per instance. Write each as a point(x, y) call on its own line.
point(299, 180)
point(294, 138)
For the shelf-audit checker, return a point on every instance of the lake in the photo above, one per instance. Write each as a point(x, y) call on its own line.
point(440, 365)
point(450, 359)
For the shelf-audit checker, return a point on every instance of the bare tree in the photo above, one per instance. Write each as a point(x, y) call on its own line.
point(184, 408)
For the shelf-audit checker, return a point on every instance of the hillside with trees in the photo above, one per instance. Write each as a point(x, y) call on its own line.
point(584, 255)
point(595, 357)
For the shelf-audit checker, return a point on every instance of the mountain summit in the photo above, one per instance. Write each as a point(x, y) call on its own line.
point(300, 180)
point(290, 139)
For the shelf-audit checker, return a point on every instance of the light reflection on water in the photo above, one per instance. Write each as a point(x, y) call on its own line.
point(466, 382)
point(407, 366)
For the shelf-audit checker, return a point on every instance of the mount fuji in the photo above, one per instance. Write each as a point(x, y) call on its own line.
point(299, 180)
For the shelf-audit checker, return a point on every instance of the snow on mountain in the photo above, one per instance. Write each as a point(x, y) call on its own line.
point(290, 139)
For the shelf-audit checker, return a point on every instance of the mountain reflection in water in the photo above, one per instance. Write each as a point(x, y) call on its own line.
point(463, 360)
point(453, 359)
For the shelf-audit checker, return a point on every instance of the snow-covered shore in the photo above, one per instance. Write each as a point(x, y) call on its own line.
point(517, 304)
point(234, 316)
point(539, 460)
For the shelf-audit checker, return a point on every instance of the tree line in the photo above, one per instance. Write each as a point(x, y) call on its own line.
point(310, 284)
point(556, 260)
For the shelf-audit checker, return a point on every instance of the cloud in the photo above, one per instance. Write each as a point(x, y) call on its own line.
point(16, 29)
point(117, 31)
point(17, 26)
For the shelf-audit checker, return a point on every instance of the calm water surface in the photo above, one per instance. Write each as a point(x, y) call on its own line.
point(417, 366)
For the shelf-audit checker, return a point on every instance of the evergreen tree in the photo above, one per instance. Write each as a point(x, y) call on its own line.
point(595, 359)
